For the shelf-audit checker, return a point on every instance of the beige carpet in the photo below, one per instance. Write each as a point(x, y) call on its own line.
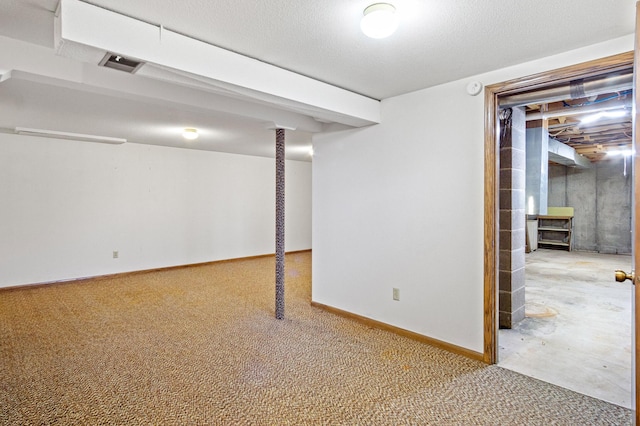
point(200, 346)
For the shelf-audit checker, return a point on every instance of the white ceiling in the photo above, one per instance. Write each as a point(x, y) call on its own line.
point(136, 119)
point(437, 41)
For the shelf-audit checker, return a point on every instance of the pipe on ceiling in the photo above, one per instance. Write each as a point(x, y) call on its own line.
point(575, 89)
point(587, 109)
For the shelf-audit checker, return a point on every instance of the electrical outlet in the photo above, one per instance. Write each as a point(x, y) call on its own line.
point(396, 294)
point(115, 254)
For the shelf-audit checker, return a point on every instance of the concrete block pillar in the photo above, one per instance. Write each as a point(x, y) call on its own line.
point(512, 216)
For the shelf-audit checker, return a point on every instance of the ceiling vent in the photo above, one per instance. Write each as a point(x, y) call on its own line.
point(119, 62)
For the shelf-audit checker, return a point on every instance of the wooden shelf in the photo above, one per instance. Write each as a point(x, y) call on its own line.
point(555, 231)
point(554, 243)
point(547, 228)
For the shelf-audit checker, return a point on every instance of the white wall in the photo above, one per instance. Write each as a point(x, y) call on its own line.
point(65, 206)
point(400, 204)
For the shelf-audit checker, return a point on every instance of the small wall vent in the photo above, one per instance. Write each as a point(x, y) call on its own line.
point(119, 62)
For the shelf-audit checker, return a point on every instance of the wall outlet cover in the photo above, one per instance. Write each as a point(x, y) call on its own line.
point(396, 294)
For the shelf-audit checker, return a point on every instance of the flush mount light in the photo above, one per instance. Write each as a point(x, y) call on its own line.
point(379, 20)
point(190, 134)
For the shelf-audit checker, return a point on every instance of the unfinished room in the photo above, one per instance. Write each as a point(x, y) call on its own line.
point(567, 316)
point(272, 212)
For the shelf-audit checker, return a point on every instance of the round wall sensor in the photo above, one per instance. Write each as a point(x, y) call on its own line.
point(474, 88)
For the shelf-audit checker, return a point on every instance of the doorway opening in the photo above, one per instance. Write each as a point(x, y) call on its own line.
point(506, 206)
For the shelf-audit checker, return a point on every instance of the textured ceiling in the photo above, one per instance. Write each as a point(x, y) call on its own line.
point(437, 41)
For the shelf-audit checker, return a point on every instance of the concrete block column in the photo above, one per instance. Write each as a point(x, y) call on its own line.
point(512, 216)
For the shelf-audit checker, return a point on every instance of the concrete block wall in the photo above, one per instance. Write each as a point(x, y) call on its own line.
point(601, 197)
point(512, 220)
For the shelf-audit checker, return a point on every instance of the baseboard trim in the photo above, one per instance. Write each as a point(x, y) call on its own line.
point(402, 332)
point(142, 271)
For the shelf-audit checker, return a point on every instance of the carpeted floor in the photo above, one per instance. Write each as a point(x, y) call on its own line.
point(200, 346)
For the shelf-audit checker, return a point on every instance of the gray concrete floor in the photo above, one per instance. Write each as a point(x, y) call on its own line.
point(577, 329)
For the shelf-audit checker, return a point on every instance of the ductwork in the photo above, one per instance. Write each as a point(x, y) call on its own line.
point(587, 109)
point(564, 154)
point(575, 89)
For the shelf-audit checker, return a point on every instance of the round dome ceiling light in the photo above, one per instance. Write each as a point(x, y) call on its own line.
point(190, 134)
point(379, 20)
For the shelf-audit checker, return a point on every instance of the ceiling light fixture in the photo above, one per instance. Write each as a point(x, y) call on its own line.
point(68, 135)
point(379, 20)
point(623, 152)
point(190, 134)
point(604, 114)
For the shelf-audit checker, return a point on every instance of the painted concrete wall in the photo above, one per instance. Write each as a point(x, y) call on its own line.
point(66, 206)
point(400, 204)
point(601, 197)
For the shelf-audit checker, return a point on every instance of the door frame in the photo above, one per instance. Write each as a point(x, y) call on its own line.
point(491, 169)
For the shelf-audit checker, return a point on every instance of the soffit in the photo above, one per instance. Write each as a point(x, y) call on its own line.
point(33, 102)
point(437, 41)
